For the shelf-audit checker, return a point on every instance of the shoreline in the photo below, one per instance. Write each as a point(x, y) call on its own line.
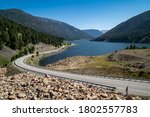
point(45, 54)
point(94, 67)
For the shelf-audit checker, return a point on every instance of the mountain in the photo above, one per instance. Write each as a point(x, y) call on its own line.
point(48, 26)
point(16, 36)
point(104, 31)
point(93, 32)
point(136, 29)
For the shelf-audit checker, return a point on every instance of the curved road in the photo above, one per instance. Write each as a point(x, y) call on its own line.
point(135, 87)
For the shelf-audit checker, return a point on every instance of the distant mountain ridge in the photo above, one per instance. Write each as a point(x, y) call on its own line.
point(93, 32)
point(136, 30)
point(48, 26)
point(104, 31)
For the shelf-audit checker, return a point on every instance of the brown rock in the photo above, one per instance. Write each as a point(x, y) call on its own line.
point(11, 97)
point(92, 97)
point(52, 93)
point(46, 95)
point(24, 75)
point(60, 90)
point(129, 97)
point(21, 95)
point(12, 78)
point(104, 95)
point(54, 79)
point(45, 90)
point(116, 97)
point(11, 93)
point(80, 97)
point(70, 98)
point(24, 84)
point(137, 98)
point(46, 81)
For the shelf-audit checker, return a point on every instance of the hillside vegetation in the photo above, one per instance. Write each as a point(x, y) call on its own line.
point(48, 26)
point(3, 61)
point(136, 29)
point(17, 36)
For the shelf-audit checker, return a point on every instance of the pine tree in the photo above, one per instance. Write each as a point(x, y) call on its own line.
point(17, 36)
point(25, 52)
point(5, 37)
point(1, 44)
point(14, 41)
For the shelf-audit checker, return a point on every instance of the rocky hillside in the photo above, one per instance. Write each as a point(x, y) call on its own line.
point(136, 29)
point(48, 26)
point(29, 86)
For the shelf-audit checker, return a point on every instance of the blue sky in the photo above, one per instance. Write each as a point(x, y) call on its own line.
point(83, 14)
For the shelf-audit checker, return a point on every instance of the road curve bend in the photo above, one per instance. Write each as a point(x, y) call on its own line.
point(137, 88)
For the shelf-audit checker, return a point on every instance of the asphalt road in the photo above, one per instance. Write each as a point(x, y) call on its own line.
point(135, 87)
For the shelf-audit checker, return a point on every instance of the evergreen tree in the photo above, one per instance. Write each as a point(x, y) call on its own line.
point(17, 36)
point(131, 47)
point(1, 44)
point(25, 52)
point(31, 49)
point(14, 41)
point(134, 47)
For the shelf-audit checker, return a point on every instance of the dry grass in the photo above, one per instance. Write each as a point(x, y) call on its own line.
point(126, 63)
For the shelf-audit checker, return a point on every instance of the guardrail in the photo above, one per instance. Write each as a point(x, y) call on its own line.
point(93, 84)
point(88, 83)
point(101, 86)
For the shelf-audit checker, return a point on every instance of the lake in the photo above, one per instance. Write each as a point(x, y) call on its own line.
point(87, 48)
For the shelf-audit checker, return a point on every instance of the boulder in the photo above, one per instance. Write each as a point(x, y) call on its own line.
point(46, 81)
point(116, 97)
point(104, 95)
point(21, 95)
point(129, 97)
point(46, 95)
point(12, 97)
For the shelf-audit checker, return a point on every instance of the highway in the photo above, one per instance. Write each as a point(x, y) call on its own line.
point(135, 87)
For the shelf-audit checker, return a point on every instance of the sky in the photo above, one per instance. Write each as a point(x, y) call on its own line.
point(83, 14)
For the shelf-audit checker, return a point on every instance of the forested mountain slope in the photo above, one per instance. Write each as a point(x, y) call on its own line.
point(17, 36)
point(136, 29)
point(48, 26)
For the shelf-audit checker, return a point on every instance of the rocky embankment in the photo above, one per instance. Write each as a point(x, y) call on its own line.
point(28, 86)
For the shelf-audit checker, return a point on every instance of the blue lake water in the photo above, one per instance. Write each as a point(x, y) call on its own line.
point(87, 48)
